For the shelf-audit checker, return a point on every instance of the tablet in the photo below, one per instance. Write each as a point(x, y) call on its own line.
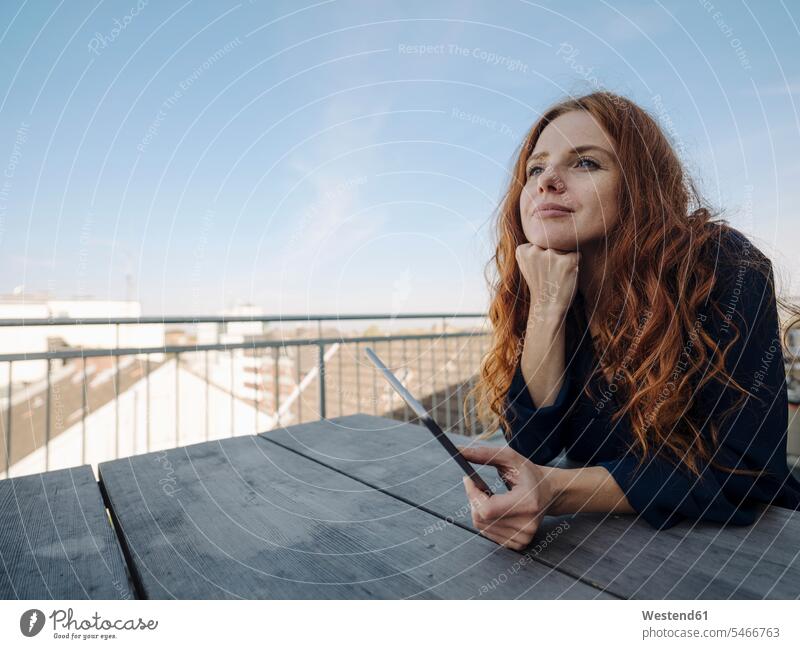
point(432, 426)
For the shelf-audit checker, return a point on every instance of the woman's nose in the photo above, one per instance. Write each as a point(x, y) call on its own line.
point(549, 180)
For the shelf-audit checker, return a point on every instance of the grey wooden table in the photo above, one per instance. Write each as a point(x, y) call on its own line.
point(353, 507)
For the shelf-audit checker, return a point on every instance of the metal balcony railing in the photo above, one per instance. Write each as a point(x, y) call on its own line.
point(103, 403)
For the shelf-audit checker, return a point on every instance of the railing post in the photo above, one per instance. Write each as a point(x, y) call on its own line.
point(276, 381)
point(375, 390)
point(433, 378)
point(207, 406)
point(8, 422)
point(389, 361)
point(339, 365)
point(321, 371)
point(47, 423)
point(299, 393)
point(459, 393)
point(147, 398)
point(177, 400)
point(83, 412)
point(472, 372)
point(405, 365)
point(135, 428)
point(232, 386)
point(116, 407)
point(358, 380)
point(447, 394)
point(419, 365)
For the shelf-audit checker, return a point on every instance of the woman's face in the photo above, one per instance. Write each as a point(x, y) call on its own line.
point(584, 181)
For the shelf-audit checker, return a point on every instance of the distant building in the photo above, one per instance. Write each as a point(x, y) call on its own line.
point(50, 337)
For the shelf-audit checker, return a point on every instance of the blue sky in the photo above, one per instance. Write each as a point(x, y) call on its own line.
point(303, 157)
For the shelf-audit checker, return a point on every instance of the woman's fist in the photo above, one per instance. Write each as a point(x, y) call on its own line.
point(552, 278)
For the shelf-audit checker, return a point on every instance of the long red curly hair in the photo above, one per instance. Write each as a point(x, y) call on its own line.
point(662, 251)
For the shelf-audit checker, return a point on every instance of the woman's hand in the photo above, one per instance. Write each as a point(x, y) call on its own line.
point(510, 519)
point(551, 275)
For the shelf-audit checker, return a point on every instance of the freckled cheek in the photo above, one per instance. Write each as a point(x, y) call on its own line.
point(606, 197)
point(525, 202)
point(607, 209)
point(594, 202)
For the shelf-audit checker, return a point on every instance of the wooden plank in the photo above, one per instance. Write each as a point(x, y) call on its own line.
point(244, 518)
point(688, 561)
point(619, 553)
point(56, 541)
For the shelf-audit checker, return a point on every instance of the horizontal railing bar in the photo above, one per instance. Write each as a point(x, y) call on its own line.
point(259, 344)
point(40, 322)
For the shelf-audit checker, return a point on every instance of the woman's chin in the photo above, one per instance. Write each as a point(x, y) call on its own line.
point(568, 244)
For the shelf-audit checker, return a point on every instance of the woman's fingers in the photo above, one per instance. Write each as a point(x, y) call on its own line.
point(503, 456)
point(520, 501)
point(507, 526)
point(486, 510)
point(513, 530)
point(477, 500)
point(509, 539)
point(503, 527)
point(475, 496)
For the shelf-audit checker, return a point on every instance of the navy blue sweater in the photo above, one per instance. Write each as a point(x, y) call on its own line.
point(753, 437)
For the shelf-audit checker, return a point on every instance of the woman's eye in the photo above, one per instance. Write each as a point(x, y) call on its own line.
point(589, 160)
point(580, 161)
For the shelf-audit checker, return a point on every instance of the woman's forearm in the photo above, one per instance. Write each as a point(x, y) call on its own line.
point(587, 489)
point(542, 362)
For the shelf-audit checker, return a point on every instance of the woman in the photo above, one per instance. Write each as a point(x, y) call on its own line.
point(632, 331)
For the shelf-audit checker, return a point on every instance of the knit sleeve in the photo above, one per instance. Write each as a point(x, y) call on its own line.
point(537, 432)
point(751, 437)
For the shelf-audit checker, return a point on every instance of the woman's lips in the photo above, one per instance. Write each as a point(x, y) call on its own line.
point(549, 214)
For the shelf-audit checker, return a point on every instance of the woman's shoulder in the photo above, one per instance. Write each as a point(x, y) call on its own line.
point(743, 277)
point(731, 248)
point(736, 260)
